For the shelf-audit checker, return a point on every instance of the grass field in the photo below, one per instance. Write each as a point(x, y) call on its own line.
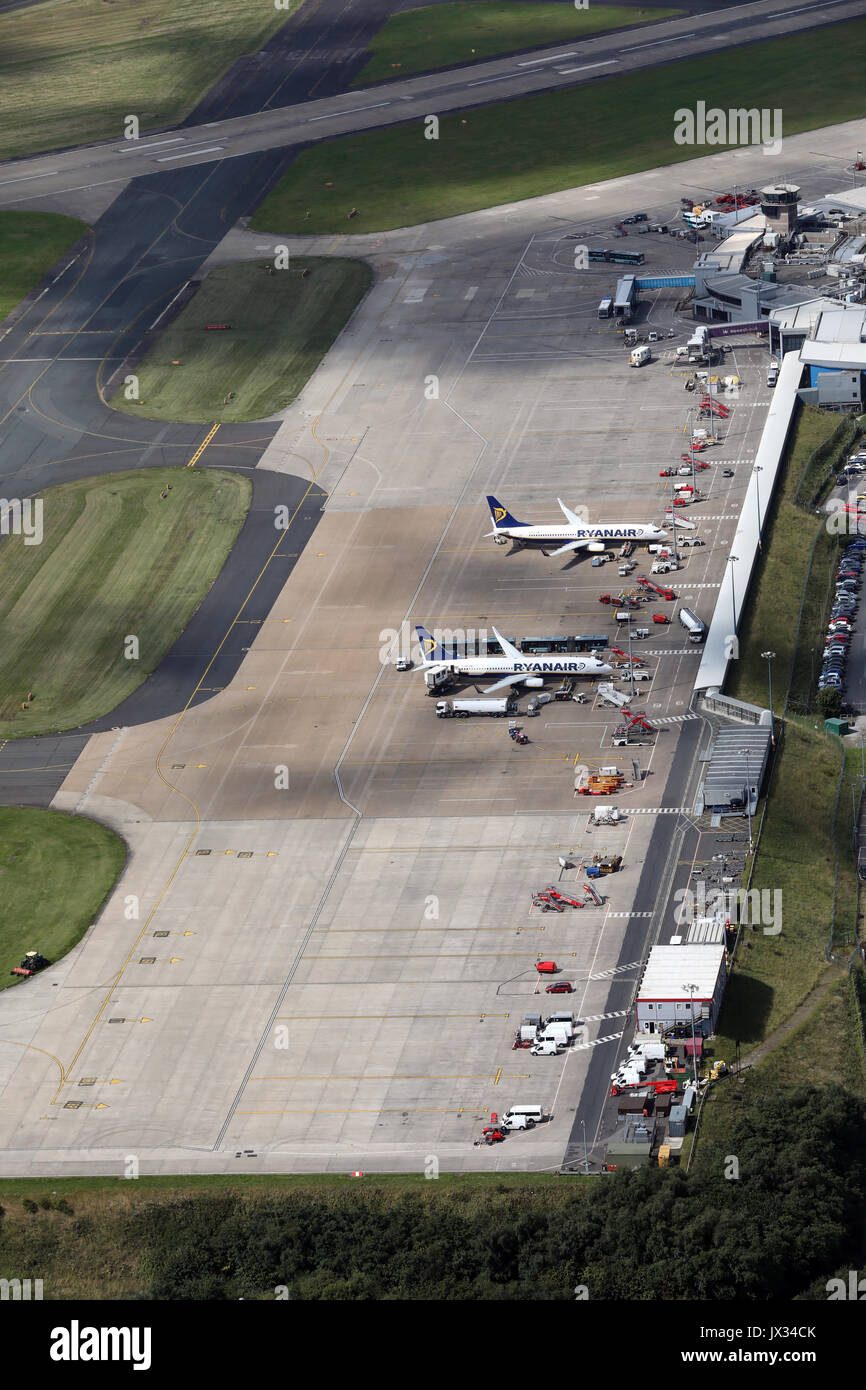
point(440, 36)
point(72, 70)
point(525, 148)
point(281, 328)
point(774, 974)
point(116, 561)
point(55, 873)
point(826, 1048)
point(30, 243)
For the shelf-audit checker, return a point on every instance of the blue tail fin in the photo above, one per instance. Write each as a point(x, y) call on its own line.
point(433, 650)
point(501, 516)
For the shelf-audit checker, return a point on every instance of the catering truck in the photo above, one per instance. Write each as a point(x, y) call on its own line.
point(693, 625)
point(461, 709)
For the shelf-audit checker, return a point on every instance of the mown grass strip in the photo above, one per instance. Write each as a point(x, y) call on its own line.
point(89, 612)
point(441, 36)
point(280, 327)
point(521, 149)
point(55, 873)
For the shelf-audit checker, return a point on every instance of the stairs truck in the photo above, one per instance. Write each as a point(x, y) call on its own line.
point(612, 696)
point(461, 709)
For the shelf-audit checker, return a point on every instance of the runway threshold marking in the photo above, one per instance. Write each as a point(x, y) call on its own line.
point(201, 448)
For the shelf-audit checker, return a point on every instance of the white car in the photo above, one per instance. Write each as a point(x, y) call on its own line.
point(403, 663)
point(691, 540)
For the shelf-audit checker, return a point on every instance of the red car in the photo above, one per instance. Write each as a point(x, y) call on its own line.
point(560, 987)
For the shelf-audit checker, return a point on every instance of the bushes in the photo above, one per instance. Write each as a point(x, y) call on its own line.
point(790, 1219)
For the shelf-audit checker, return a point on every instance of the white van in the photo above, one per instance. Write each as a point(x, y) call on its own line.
point(547, 1047)
point(690, 540)
point(557, 1032)
point(640, 355)
point(772, 374)
point(522, 1116)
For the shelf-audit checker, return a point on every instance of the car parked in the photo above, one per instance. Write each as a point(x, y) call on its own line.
point(560, 987)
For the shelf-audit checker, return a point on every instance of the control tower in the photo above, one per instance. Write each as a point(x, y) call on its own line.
point(779, 206)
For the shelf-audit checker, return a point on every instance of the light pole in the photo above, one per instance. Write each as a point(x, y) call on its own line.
point(733, 560)
point(769, 657)
point(630, 662)
point(585, 1155)
point(691, 990)
point(759, 468)
point(745, 752)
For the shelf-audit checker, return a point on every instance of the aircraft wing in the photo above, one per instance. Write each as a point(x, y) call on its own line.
point(570, 545)
point(506, 681)
point(508, 648)
point(571, 517)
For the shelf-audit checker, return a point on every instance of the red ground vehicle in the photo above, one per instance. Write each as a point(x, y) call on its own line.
point(560, 987)
point(660, 618)
point(31, 963)
point(638, 721)
point(635, 660)
point(490, 1134)
point(661, 589)
point(546, 967)
point(547, 903)
point(665, 1087)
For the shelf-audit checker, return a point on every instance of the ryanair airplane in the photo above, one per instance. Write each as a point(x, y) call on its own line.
point(513, 668)
point(577, 535)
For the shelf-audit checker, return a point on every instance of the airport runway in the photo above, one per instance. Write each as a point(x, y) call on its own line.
point(298, 121)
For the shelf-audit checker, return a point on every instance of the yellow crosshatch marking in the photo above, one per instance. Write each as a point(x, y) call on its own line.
point(201, 448)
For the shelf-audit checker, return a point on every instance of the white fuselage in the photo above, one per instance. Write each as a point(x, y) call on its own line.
point(553, 665)
point(605, 532)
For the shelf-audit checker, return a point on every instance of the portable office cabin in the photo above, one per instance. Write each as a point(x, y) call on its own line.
point(664, 997)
